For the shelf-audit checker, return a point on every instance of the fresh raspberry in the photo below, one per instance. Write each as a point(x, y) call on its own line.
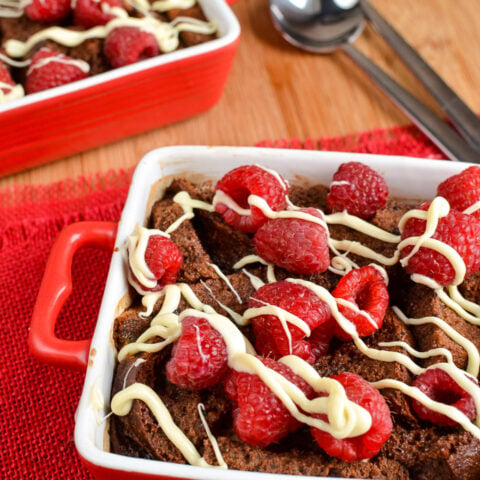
point(365, 287)
point(260, 417)
point(271, 338)
point(369, 444)
point(441, 387)
point(48, 10)
point(127, 45)
point(358, 189)
point(5, 78)
point(51, 69)
point(299, 246)
point(89, 13)
point(462, 190)
point(459, 231)
point(320, 338)
point(247, 180)
point(164, 260)
point(199, 358)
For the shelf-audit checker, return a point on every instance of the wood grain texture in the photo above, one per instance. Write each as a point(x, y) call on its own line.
point(276, 91)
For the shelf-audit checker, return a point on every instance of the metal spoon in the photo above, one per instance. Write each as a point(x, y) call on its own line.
point(322, 26)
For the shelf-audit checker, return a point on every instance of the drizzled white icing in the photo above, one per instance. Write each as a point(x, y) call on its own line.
point(213, 440)
point(446, 410)
point(165, 5)
point(254, 280)
point(13, 92)
point(188, 204)
point(81, 64)
point(473, 365)
point(472, 208)
point(15, 63)
point(166, 34)
point(256, 259)
point(13, 8)
point(227, 281)
point(122, 403)
point(239, 319)
point(339, 182)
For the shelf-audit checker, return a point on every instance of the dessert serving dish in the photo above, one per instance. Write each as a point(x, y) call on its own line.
point(405, 178)
point(102, 108)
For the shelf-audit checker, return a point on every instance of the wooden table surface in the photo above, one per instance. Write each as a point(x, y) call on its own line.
point(276, 91)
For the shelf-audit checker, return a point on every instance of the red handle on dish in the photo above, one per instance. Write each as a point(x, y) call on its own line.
point(56, 287)
point(230, 2)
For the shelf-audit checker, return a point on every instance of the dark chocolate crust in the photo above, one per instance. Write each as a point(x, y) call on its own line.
point(415, 450)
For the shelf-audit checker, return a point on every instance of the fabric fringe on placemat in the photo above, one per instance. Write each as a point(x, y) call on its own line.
point(38, 402)
point(408, 141)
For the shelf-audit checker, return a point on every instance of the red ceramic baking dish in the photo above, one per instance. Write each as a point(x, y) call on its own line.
point(72, 118)
point(405, 177)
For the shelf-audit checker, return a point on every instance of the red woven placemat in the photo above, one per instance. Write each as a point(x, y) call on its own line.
point(37, 402)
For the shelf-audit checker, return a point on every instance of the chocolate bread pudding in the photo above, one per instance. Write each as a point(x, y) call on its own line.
point(307, 330)
point(48, 43)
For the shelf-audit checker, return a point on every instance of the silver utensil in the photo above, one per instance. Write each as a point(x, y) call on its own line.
point(322, 26)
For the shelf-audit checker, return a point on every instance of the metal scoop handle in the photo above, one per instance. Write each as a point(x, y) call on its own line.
point(456, 110)
point(445, 137)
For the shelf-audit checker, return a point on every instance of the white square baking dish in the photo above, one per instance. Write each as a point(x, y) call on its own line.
point(406, 177)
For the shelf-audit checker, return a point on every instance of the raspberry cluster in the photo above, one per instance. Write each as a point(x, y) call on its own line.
point(299, 245)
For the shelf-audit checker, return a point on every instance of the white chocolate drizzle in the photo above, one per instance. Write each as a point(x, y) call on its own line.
point(12, 8)
point(227, 281)
point(254, 280)
point(254, 259)
point(473, 365)
point(222, 197)
point(135, 364)
point(239, 319)
point(15, 63)
point(122, 403)
point(416, 353)
point(13, 92)
point(438, 208)
point(341, 265)
point(211, 437)
point(360, 225)
point(166, 34)
point(188, 204)
point(80, 64)
point(447, 410)
point(166, 5)
point(281, 181)
point(469, 311)
point(472, 208)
